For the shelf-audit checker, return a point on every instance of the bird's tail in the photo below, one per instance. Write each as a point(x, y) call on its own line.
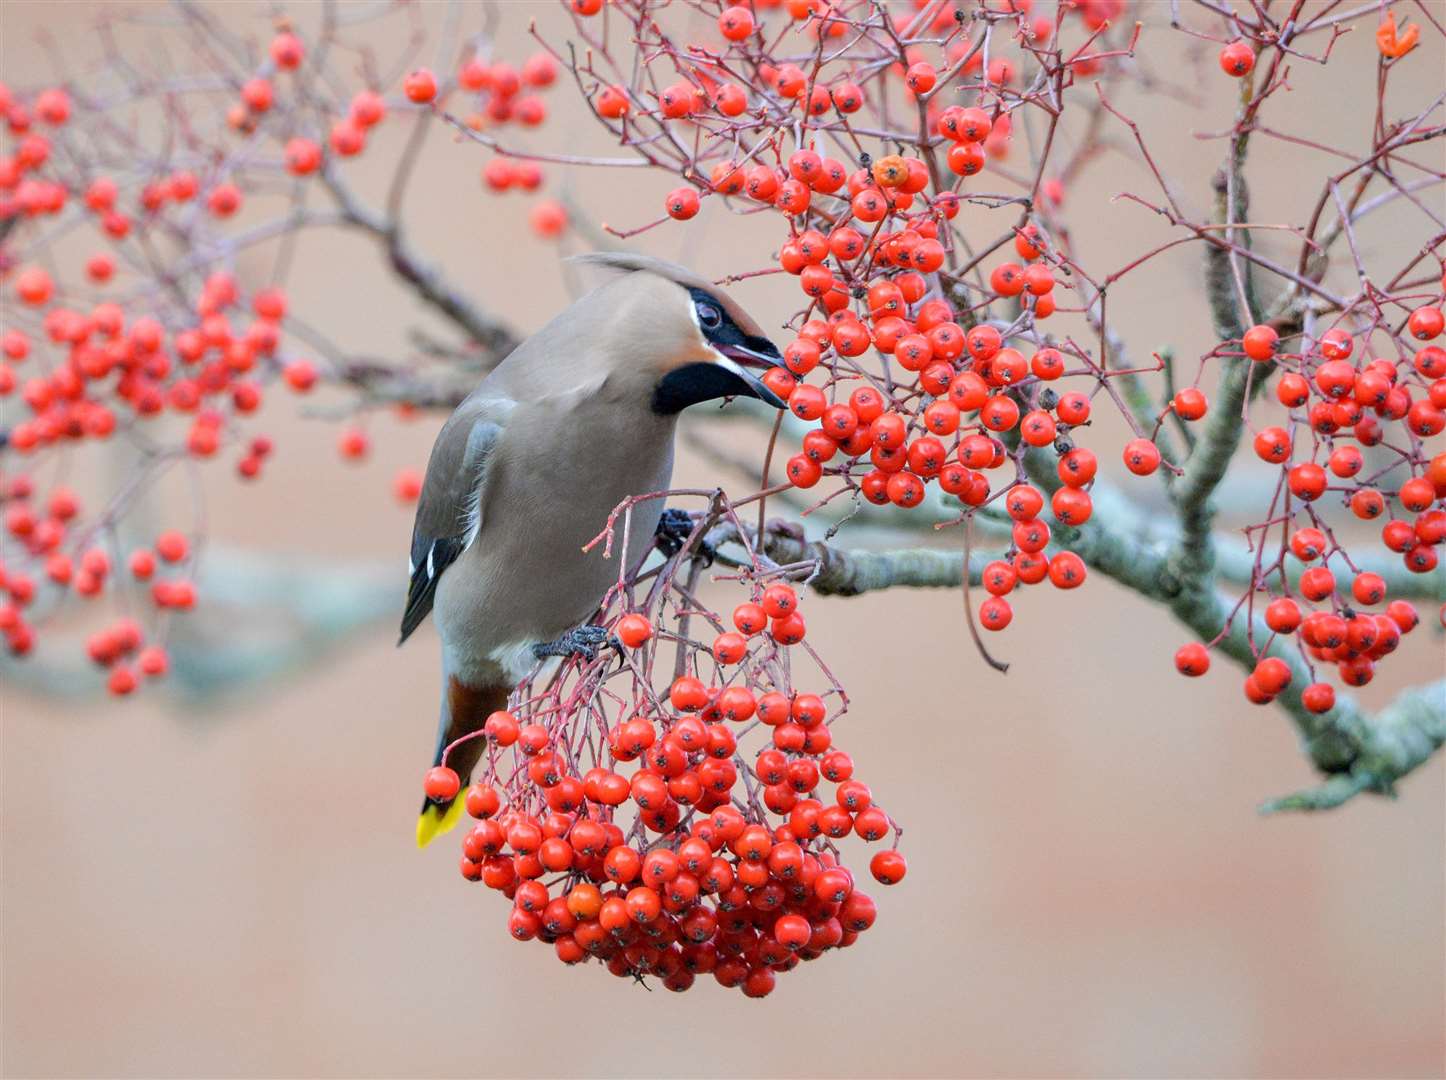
point(464, 710)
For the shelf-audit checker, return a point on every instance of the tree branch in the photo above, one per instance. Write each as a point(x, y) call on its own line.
point(1373, 752)
point(848, 572)
point(424, 278)
point(1399, 738)
point(1215, 450)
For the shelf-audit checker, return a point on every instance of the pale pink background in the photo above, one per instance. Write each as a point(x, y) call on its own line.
point(232, 889)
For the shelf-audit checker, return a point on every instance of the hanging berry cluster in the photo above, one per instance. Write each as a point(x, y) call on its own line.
point(1336, 410)
point(682, 808)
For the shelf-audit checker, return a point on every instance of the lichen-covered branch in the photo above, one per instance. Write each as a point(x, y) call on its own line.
point(848, 572)
point(1399, 738)
point(1372, 753)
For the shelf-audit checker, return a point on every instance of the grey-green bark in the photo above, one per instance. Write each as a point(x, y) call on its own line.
point(1357, 751)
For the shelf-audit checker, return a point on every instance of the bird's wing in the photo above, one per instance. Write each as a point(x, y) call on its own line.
point(449, 512)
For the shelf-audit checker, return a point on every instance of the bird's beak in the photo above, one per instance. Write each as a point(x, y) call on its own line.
point(744, 362)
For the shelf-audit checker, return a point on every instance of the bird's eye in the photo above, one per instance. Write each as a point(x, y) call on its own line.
point(710, 316)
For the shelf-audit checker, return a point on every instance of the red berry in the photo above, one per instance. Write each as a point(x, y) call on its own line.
point(407, 485)
point(1272, 444)
point(1259, 342)
point(1272, 675)
point(441, 784)
point(287, 51)
point(995, 613)
point(1318, 697)
point(1192, 659)
point(1425, 323)
point(1142, 457)
point(420, 86)
point(888, 867)
point(172, 546)
point(779, 601)
point(1190, 403)
point(735, 23)
point(634, 630)
point(1236, 59)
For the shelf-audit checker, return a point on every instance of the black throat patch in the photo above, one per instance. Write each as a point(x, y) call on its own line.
point(694, 383)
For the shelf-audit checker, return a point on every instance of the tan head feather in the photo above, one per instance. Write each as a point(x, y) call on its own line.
point(626, 262)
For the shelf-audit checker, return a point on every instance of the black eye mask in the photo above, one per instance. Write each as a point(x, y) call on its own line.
point(725, 331)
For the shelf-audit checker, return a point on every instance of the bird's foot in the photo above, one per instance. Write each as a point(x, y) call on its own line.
point(585, 641)
point(674, 528)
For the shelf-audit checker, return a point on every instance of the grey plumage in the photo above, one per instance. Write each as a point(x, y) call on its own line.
point(576, 419)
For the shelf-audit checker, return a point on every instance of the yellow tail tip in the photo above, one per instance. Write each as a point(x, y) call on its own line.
point(435, 820)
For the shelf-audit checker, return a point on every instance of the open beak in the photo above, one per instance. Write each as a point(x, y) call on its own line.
point(746, 362)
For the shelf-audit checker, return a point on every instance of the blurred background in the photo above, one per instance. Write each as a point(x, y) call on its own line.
point(223, 881)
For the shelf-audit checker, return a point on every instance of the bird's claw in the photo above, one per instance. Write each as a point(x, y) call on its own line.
point(584, 641)
point(674, 528)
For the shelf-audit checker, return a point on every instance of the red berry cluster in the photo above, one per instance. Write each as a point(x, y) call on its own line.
point(635, 829)
point(45, 527)
point(916, 387)
point(90, 356)
point(949, 407)
point(506, 95)
point(1337, 410)
point(911, 385)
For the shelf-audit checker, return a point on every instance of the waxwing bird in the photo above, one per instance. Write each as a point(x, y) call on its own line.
point(577, 418)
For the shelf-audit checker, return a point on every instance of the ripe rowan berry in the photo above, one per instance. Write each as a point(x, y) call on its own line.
point(353, 444)
point(1007, 279)
point(122, 681)
point(730, 647)
point(1293, 390)
point(1077, 467)
point(611, 102)
point(999, 413)
point(1417, 494)
point(995, 613)
point(1306, 480)
point(142, 564)
point(502, 728)
point(34, 286)
point(1346, 461)
point(420, 86)
point(1237, 59)
point(888, 867)
point(1047, 364)
point(1318, 697)
point(1142, 457)
point(1317, 583)
point(1336, 344)
point(287, 51)
point(1067, 570)
point(1273, 444)
point(1272, 675)
point(1308, 544)
point(1259, 342)
point(1192, 659)
point(1283, 615)
point(548, 218)
point(789, 630)
point(634, 630)
point(1425, 323)
point(172, 546)
point(442, 784)
point(1190, 403)
point(688, 694)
